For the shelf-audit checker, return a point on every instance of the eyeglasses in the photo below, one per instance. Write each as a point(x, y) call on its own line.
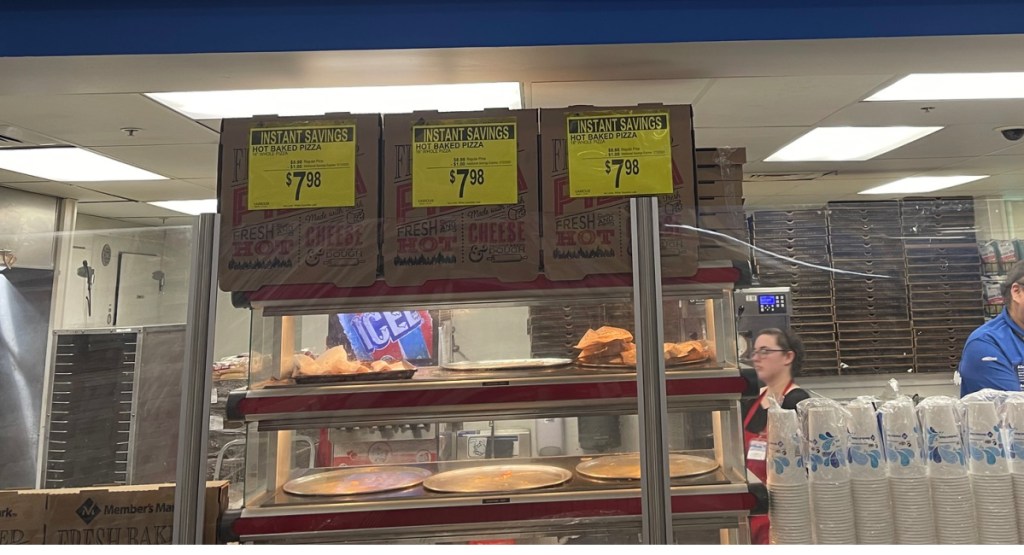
point(762, 352)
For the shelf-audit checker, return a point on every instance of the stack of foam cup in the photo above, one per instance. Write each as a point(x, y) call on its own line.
point(1013, 422)
point(789, 506)
point(824, 423)
point(990, 474)
point(952, 499)
point(872, 507)
point(913, 517)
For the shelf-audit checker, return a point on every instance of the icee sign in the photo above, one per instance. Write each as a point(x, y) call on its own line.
point(404, 334)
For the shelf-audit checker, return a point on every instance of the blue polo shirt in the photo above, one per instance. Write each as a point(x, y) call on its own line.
point(992, 356)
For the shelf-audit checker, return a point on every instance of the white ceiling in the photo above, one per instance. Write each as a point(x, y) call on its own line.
point(760, 95)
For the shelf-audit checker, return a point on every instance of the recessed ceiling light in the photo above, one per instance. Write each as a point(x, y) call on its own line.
point(70, 164)
point(356, 100)
point(921, 184)
point(844, 144)
point(192, 207)
point(953, 86)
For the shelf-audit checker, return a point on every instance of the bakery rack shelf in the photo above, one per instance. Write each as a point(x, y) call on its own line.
point(293, 300)
point(581, 503)
point(434, 395)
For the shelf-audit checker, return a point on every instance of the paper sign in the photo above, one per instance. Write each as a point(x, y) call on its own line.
point(464, 164)
point(619, 154)
point(302, 166)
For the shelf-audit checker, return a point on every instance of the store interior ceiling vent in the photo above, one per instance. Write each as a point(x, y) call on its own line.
point(13, 137)
point(782, 176)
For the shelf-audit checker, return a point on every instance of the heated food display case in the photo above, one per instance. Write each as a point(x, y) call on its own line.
point(492, 414)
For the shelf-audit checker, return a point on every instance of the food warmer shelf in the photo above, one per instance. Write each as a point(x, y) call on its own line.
point(315, 299)
point(581, 503)
point(434, 394)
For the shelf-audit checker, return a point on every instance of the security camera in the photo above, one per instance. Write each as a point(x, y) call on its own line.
point(1012, 133)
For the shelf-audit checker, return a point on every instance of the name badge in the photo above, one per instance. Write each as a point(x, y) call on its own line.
point(758, 450)
point(1020, 373)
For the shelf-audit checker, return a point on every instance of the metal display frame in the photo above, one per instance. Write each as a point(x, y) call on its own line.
point(656, 504)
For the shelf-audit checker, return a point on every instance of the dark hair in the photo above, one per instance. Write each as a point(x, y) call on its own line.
point(1015, 274)
point(789, 341)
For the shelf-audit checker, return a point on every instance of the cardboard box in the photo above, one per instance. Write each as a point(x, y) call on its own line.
point(22, 517)
point(725, 252)
point(336, 246)
point(491, 241)
point(721, 156)
point(718, 204)
point(141, 515)
point(729, 219)
point(589, 236)
point(729, 172)
point(707, 240)
point(732, 189)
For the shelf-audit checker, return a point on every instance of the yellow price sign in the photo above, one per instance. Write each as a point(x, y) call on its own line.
point(302, 166)
point(464, 164)
point(621, 154)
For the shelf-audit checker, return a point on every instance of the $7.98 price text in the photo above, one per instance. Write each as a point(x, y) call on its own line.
point(464, 176)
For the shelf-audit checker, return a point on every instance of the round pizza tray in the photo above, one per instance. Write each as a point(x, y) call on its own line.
point(627, 467)
point(356, 481)
point(633, 366)
point(498, 479)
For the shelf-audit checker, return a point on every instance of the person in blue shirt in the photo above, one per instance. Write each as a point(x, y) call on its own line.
point(993, 356)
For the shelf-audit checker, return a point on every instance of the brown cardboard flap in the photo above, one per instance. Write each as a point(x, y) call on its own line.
point(718, 204)
point(22, 517)
point(591, 236)
point(733, 189)
point(723, 220)
point(300, 246)
point(493, 241)
point(731, 172)
point(721, 156)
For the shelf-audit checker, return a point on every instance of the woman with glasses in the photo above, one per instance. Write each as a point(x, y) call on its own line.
point(778, 356)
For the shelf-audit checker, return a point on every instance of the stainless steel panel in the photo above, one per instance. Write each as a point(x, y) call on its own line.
point(158, 404)
point(25, 297)
point(29, 224)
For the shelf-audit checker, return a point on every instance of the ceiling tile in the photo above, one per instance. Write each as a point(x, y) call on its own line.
point(148, 191)
point(953, 141)
point(985, 165)
point(13, 177)
point(125, 209)
point(178, 161)
point(855, 170)
point(615, 93)
point(97, 120)
point(988, 113)
point(779, 101)
point(61, 190)
point(175, 221)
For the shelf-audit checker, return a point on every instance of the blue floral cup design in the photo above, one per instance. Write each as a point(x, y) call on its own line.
point(825, 452)
point(944, 449)
point(987, 448)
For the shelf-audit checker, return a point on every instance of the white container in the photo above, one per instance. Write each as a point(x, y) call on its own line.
point(785, 457)
point(987, 453)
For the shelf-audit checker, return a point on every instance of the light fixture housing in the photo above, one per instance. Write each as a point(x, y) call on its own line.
point(848, 144)
point(953, 86)
point(921, 184)
point(356, 100)
point(70, 164)
point(190, 207)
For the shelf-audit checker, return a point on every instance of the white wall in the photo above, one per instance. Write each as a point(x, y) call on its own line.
point(171, 245)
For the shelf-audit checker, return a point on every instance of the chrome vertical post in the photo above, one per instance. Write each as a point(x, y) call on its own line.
point(193, 424)
point(650, 372)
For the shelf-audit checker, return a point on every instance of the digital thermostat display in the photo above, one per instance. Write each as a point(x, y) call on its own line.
point(771, 304)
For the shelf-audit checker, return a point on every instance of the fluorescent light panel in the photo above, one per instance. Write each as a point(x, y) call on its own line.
point(953, 86)
point(192, 207)
point(70, 164)
point(921, 184)
point(357, 100)
point(844, 144)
